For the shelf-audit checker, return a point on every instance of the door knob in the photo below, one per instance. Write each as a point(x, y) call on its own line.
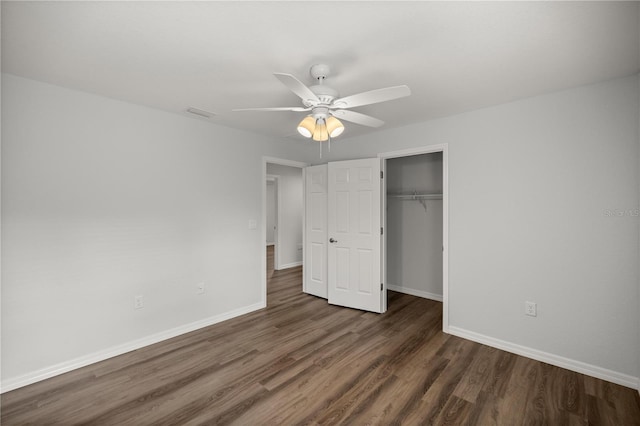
point(331, 240)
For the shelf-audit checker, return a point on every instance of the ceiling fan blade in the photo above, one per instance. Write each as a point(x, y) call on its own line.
point(356, 117)
point(296, 109)
point(372, 97)
point(297, 87)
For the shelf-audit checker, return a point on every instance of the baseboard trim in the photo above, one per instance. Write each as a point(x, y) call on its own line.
point(549, 358)
point(64, 367)
point(289, 265)
point(414, 292)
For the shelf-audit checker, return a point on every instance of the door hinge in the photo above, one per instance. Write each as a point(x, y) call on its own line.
point(381, 174)
point(381, 231)
point(381, 287)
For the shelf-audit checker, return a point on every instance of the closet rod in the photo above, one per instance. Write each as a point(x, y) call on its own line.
point(415, 196)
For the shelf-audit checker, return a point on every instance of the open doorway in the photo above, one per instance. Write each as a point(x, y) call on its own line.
point(282, 216)
point(416, 238)
point(414, 225)
point(289, 208)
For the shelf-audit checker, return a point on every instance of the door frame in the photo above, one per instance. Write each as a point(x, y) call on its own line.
point(444, 149)
point(263, 233)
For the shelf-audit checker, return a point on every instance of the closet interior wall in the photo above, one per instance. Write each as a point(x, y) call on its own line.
point(414, 225)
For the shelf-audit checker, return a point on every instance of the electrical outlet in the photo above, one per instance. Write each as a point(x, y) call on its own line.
point(530, 309)
point(200, 288)
point(138, 302)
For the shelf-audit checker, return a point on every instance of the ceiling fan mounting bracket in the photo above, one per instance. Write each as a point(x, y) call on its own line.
point(320, 72)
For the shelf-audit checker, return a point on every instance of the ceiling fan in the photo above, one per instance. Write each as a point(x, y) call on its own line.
point(326, 107)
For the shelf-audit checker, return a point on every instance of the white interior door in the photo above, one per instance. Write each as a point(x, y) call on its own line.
point(315, 251)
point(354, 231)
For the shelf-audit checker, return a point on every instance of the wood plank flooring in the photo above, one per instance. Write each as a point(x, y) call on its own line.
point(302, 361)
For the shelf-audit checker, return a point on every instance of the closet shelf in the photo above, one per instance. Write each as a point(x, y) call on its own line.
point(415, 196)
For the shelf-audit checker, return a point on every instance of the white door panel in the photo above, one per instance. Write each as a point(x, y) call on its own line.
point(315, 251)
point(354, 274)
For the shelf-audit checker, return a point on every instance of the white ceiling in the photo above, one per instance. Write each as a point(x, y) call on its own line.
point(216, 56)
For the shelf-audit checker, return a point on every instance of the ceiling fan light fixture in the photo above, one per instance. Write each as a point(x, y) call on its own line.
point(334, 127)
point(320, 134)
point(307, 126)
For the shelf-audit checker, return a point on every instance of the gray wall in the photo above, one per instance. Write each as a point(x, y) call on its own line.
point(104, 200)
point(271, 211)
point(542, 199)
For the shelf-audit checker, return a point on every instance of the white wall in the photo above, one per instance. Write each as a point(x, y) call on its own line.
point(290, 208)
point(103, 200)
point(532, 184)
point(414, 228)
point(271, 212)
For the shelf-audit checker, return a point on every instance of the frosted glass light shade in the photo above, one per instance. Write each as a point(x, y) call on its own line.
point(307, 126)
point(334, 127)
point(320, 134)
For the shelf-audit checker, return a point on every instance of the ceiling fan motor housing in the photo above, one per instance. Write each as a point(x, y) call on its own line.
point(320, 112)
point(326, 94)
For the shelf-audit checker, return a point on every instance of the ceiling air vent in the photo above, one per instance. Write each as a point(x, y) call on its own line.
point(200, 113)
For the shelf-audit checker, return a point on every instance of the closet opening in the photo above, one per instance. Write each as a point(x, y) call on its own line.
point(415, 238)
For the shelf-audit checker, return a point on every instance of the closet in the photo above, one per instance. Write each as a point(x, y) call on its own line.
point(414, 187)
point(355, 249)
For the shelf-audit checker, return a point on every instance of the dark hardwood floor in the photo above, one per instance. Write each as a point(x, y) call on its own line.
point(302, 361)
